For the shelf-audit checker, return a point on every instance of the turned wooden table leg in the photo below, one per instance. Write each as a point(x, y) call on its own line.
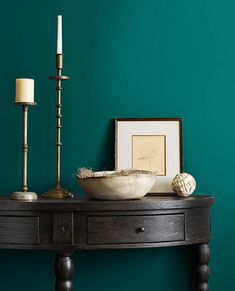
point(202, 267)
point(64, 272)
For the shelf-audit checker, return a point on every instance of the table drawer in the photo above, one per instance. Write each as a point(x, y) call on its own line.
point(134, 229)
point(19, 230)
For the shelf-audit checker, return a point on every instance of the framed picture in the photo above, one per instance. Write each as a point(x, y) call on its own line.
point(152, 144)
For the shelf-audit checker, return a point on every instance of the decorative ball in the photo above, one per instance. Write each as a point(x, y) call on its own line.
point(183, 184)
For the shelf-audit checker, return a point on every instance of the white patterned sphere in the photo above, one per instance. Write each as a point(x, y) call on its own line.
point(183, 184)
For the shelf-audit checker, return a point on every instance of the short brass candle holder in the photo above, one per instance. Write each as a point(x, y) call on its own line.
point(58, 192)
point(24, 194)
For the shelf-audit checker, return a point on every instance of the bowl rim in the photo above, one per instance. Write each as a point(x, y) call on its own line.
point(117, 174)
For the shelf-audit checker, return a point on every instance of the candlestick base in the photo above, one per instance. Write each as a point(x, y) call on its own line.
point(57, 193)
point(26, 196)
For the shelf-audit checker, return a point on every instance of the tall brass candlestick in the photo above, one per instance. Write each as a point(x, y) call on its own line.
point(24, 194)
point(58, 192)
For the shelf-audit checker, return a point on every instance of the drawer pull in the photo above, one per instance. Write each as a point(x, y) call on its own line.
point(140, 229)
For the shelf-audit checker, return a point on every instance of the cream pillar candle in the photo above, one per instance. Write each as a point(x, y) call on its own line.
point(59, 35)
point(24, 90)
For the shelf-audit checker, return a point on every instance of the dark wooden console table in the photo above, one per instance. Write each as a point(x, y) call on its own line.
point(68, 225)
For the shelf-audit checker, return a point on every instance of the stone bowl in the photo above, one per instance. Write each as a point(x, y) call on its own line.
point(112, 185)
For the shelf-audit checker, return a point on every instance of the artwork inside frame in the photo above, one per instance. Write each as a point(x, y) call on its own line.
point(153, 144)
point(149, 153)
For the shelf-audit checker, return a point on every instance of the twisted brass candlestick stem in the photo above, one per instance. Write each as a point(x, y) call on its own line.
point(24, 194)
point(58, 191)
point(58, 116)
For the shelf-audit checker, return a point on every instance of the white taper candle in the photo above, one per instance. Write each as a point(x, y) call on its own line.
point(59, 35)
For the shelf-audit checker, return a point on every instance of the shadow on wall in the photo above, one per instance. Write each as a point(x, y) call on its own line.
point(106, 160)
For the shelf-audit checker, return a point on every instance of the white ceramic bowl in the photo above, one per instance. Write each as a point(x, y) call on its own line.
point(113, 186)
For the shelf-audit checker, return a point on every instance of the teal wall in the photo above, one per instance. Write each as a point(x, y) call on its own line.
point(126, 58)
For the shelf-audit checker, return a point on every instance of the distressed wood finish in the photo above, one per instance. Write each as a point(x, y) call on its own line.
point(63, 228)
point(64, 272)
point(70, 224)
point(202, 267)
point(134, 229)
point(19, 230)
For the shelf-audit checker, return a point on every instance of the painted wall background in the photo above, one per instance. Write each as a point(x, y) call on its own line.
point(126, 58)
